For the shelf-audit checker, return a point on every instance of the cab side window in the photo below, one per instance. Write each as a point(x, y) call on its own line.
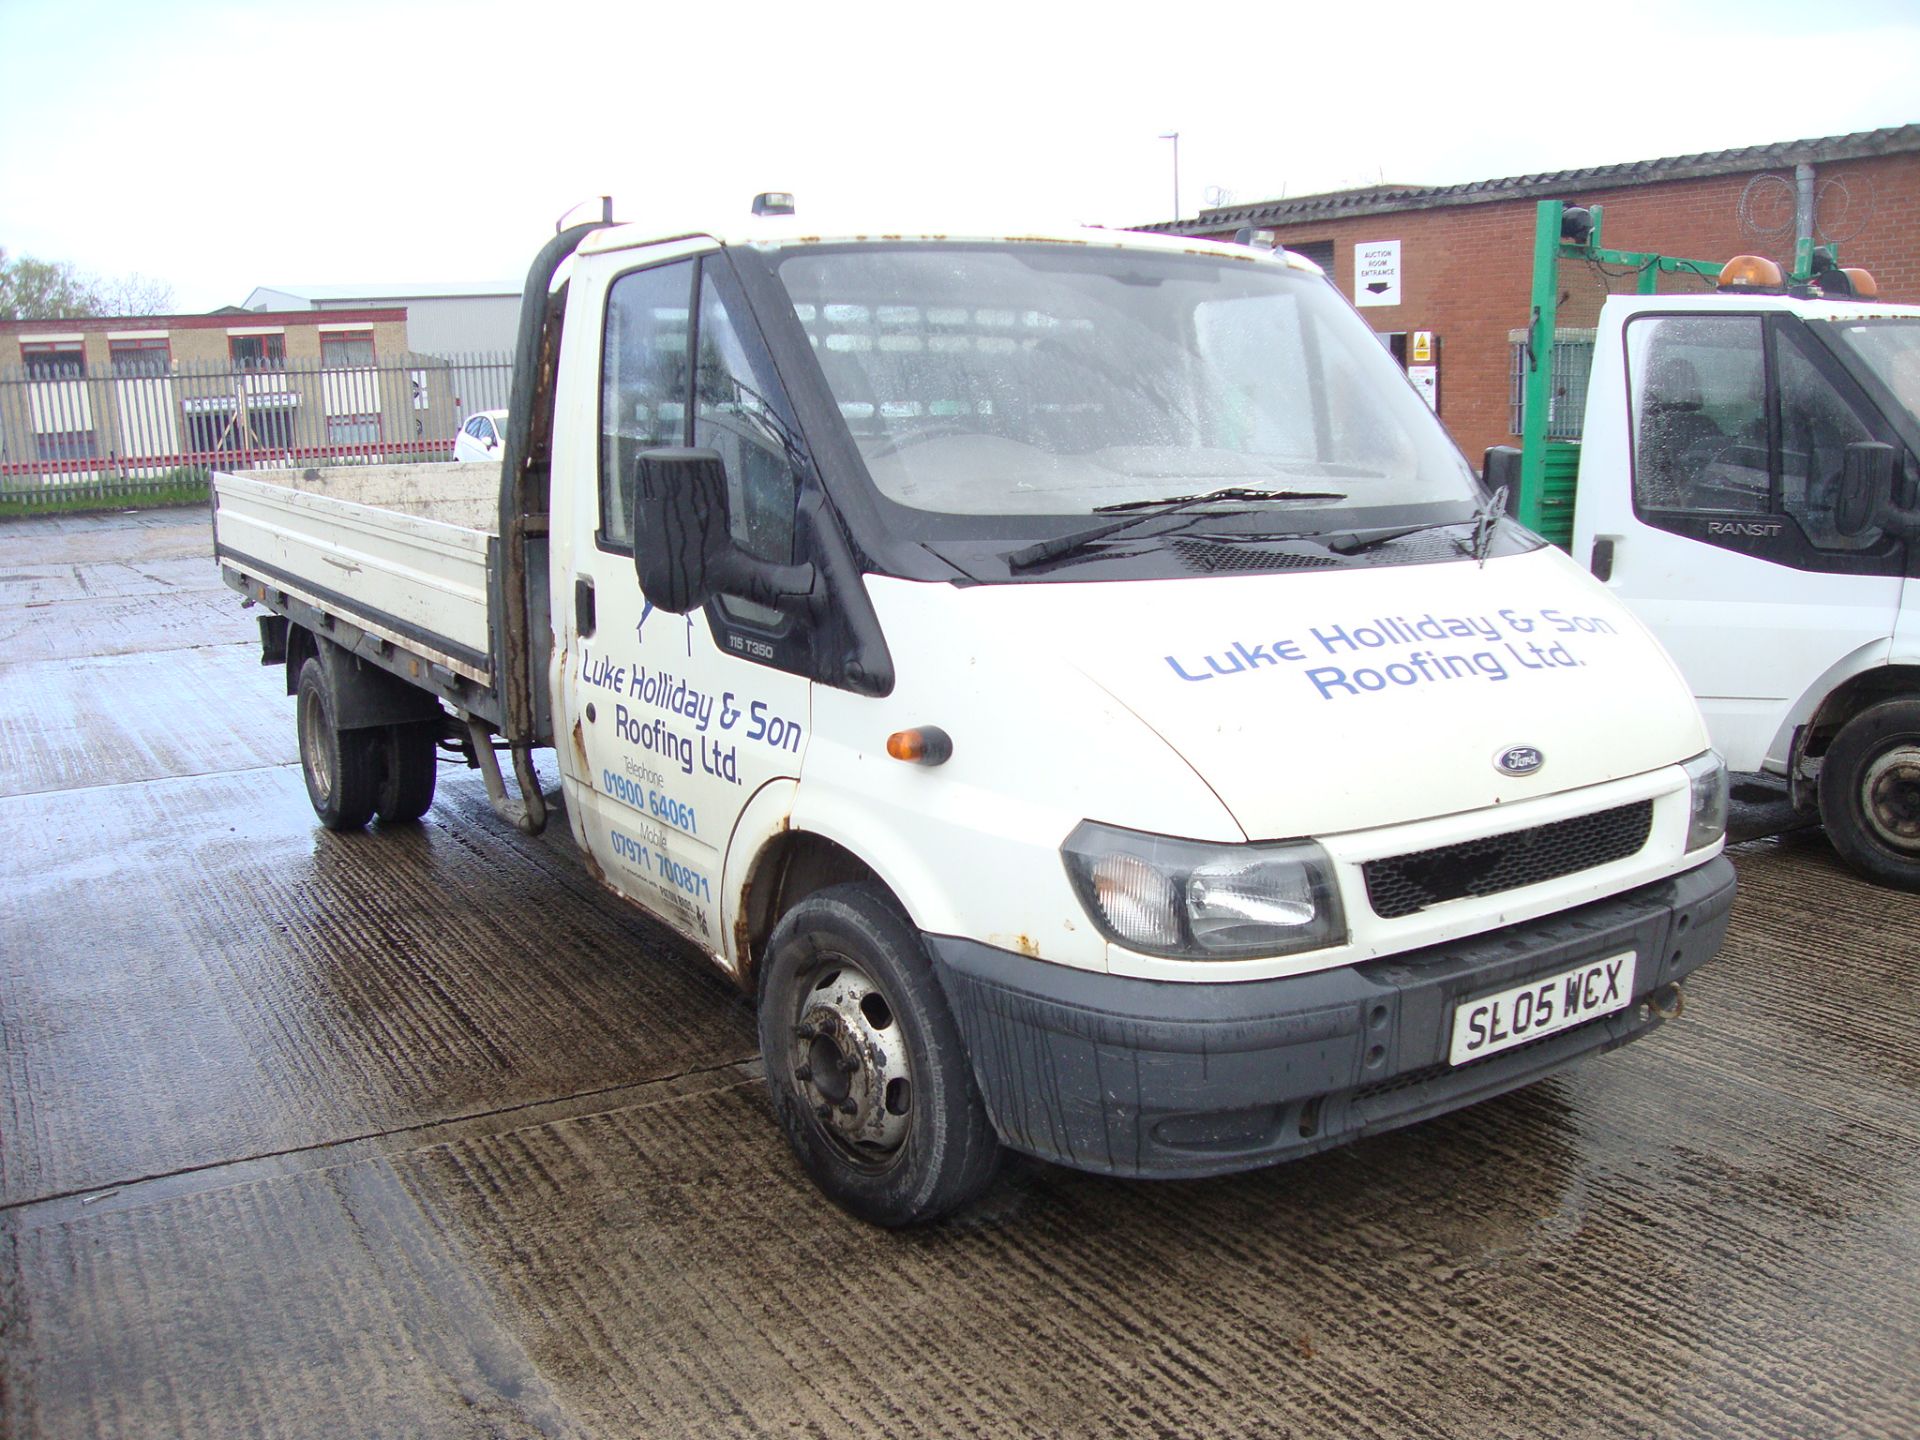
point(740, 413)
point(644, 381)
point(1816, 426)
point(1699, 414)
point(735, 413)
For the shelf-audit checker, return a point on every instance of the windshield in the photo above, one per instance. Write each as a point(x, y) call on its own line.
point(1891, 350)
point(1045, 379)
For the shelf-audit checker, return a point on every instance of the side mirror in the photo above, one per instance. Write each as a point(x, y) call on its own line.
point(684, 552)
point(1501, 468)
point(1866, 488)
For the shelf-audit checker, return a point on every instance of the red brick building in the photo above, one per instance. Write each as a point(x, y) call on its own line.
point(1465, 252)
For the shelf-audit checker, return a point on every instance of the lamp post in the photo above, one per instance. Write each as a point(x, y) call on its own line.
point(1174, 136)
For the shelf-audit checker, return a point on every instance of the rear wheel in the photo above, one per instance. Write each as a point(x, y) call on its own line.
point(868, 1075)
point(409, 768)
point(340, 766)
point(1870, 793)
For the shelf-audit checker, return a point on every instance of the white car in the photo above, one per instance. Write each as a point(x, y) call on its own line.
point(481, 437)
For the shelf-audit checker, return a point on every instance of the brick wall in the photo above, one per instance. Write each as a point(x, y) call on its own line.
point(1466, 269)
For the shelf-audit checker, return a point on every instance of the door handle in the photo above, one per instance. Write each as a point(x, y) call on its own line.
point(583, 616)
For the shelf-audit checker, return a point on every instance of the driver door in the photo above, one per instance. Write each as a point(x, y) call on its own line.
point(1724, 542)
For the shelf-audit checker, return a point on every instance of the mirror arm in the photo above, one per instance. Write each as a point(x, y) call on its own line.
point(761, 581)
point(1902, 522)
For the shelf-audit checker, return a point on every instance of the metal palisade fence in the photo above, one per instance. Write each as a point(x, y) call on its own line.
point(155, 430)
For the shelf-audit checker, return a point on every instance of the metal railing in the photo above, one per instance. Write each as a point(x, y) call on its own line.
point(1572, 363)
point(154, 429)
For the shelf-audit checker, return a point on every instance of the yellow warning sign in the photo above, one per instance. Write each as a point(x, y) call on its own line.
point(1422, 347)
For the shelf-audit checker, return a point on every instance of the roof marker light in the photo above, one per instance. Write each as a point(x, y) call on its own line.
point(1751, 272)
point(1860, 283)
point(773, 202)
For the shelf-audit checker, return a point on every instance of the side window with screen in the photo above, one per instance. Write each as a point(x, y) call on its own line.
point(1699, 414)
point(740, 413)
point(1816, 425)
point(644, 381)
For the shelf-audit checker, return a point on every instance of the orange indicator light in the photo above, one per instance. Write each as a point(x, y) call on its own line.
point(923, 745)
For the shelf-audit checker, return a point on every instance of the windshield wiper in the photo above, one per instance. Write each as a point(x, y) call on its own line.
point(1486, 522)
point(1354, 542)
point(1486, 519)
point(1145, 510)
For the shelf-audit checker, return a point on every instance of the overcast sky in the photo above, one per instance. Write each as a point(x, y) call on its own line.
point(219, 147)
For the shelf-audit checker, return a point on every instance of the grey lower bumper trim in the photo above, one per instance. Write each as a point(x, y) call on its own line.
point(1142, 1077)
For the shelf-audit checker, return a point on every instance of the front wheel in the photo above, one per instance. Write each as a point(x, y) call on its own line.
point(1870, 793)
point(868, 1075)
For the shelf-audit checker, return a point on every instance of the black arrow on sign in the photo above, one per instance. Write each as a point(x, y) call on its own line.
point(1379, 287)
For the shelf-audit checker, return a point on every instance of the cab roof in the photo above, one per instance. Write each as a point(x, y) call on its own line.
point(781, 230)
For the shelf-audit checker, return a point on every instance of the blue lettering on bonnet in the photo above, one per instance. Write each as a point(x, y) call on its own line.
point(1404, 650)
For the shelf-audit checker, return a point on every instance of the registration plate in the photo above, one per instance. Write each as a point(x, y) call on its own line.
point(1493, 1023)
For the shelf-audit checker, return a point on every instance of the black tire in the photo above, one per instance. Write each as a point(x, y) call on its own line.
point(1870, 793)
point(868, 1075)
point(340, 766)
point(409, 769)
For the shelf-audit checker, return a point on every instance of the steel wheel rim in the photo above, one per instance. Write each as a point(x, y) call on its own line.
point(1890, 797)
point(850, 1065)
point(313, 744)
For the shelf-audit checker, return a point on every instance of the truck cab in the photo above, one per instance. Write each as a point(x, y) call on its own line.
point(1111, 620)
point(1747, 479)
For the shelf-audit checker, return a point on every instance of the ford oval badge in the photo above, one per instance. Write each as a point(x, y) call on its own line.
point(1518, 760)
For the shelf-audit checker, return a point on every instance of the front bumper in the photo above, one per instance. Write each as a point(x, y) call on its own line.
point(1146, 1077)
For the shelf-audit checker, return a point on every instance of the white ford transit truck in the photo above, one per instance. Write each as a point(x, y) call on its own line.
point(1746, 483)
point(1070, 678)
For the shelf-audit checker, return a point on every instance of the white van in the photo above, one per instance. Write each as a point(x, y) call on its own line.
point(1070, 677)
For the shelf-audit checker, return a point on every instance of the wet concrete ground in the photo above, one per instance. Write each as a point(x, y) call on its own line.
point(417, 1132)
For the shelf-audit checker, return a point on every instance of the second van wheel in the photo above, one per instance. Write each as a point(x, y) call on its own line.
point(868, 1075)
point(410, 767)
point(341, 767)
point(1870, 793)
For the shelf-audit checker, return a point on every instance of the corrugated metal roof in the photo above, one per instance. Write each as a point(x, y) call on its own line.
point(1384, 199)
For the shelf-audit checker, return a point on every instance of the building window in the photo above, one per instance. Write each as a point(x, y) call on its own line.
point(258, 352)
point(140, 357)
point(66, 445)
point(54, 359)
point(1318, 251)
point(353, 429)
point(211, 432)
point(346, 349)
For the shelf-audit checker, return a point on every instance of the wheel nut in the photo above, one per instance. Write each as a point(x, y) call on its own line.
point(848, 1064)
point(825, 1112)
point(849, 1107)
point(804, 1032)
point(803, 1074)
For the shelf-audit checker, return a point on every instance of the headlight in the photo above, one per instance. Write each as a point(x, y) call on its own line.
point(1708, 820)
point(1193, 900)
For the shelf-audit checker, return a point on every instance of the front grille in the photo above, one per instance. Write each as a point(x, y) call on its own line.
point(1403, 884)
